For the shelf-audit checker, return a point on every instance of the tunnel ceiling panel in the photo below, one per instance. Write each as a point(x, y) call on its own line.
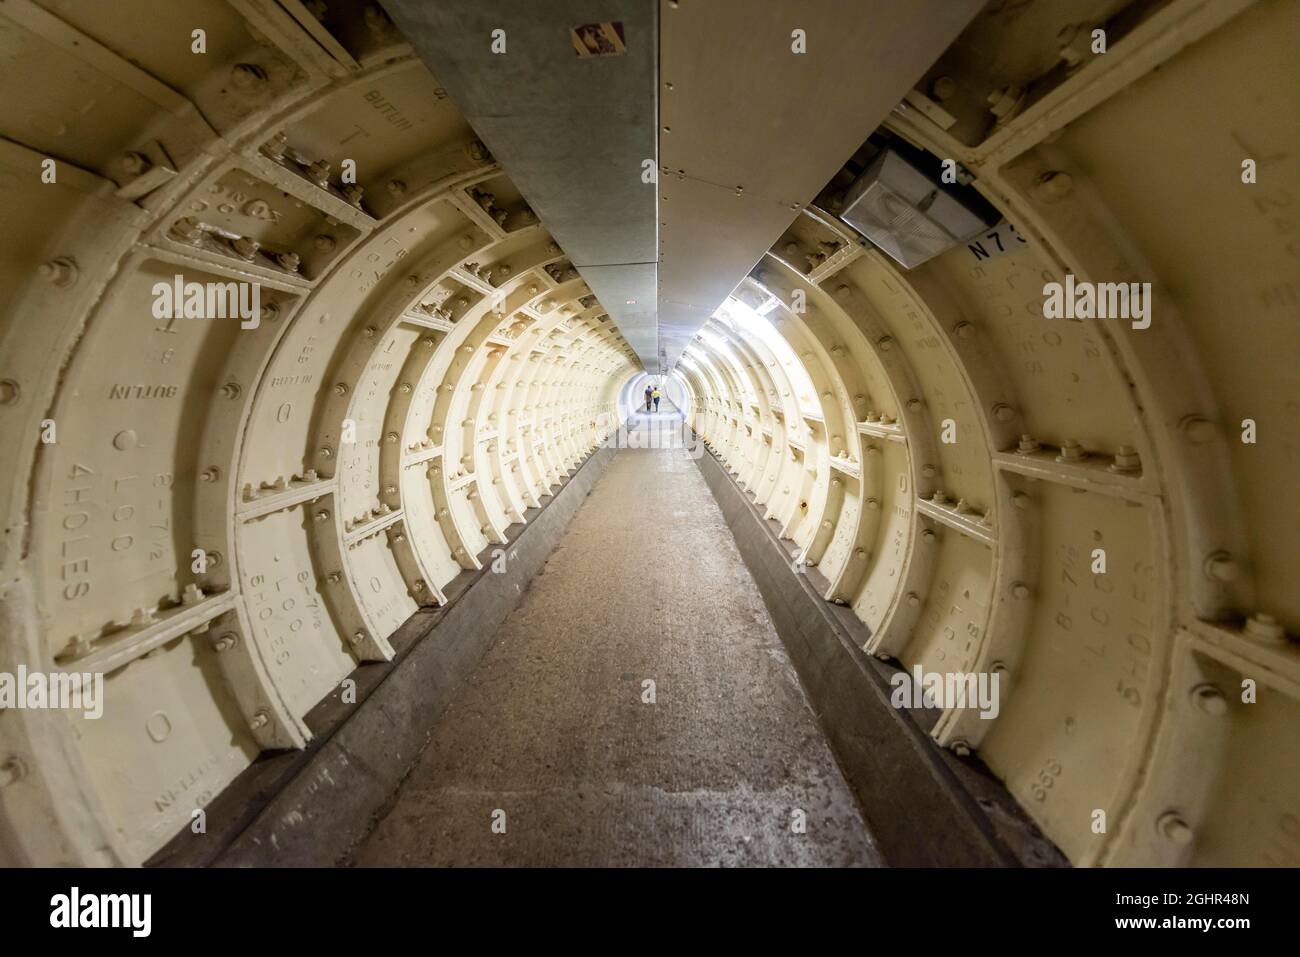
point(575, 130)
point(751, 128)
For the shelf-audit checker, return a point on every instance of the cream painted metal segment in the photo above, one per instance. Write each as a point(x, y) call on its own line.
point(176, 434)
point(1122, 689)
point(753, 123)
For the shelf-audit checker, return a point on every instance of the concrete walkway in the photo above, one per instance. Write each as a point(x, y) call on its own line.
point(554, 728)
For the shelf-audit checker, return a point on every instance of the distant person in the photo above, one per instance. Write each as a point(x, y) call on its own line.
point(656, 398)
point(648, 392)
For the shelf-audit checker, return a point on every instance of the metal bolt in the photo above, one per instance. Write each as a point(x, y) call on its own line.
point(1266, 628)
point(1003, 102)
point(230, 390)
point(928, 536)
point(326, 452)
point(913, 599)
point(287, 261)
point(247, 76)
point(943, 88)
point(1053, 185)
point(319, 172)
point(133, 163)
point(914, 405)
point(964, 330)
point(210, 474)
point(225, 642)
point(1027, 445)
point(1173, 828)
point(396, 187)
point(9, 391)
point(357, 637)
point(1221, 567)
point(1208, 698)
point(352, 193)
point(391, 437)
point(323, 515)
point(1072, 451)
point(60, 272)
point(1198, 429)
point(1020, 590)
point(886, 343)
point(260, 720)
point(274, 147)
point(961, 748)
point(340, 388)
point(186, 229)
point(1126, 460)
point(246, 247)
point(11, 770)
point(1003, 412)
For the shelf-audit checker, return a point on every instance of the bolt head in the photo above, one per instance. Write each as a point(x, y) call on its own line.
point(1208, 698)
point(133, 163)
point(1266, 628)
point(1053, 185)
point(1174, 829)
point(1198, 429)
point(1221, 567)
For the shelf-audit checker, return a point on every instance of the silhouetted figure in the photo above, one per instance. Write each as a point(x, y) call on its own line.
point(648, 392)
point(656, 398)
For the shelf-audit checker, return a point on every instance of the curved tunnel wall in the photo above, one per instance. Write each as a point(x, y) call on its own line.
point(234, 512)
point(1076, 506)
point(425, 364)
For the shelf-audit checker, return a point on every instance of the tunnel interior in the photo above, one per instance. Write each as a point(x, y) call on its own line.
point(288, 359)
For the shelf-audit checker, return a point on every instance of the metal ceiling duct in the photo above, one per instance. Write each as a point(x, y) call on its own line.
point(760, 105)
point(564, 95)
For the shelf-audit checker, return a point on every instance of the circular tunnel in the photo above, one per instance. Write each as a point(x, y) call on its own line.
point(285, 352)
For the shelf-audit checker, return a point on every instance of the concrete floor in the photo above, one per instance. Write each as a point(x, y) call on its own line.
point(552, 729)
